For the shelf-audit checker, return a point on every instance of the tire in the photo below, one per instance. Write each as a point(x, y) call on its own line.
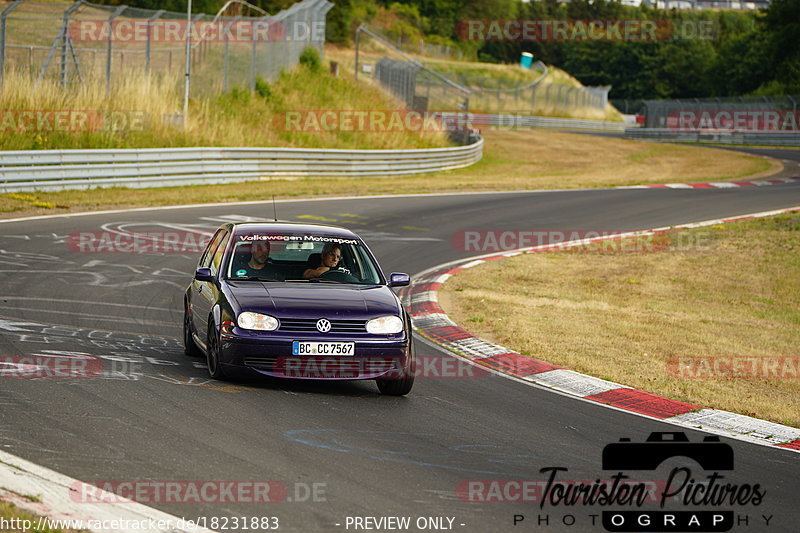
point(189, 346)
point(400, 386)
point(395, 387)
point(212, 352)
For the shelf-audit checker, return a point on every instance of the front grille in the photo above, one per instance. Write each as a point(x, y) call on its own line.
point(310, 325)
point(369, 364)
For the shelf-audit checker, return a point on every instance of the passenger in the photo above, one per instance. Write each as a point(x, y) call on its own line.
point(329, 260)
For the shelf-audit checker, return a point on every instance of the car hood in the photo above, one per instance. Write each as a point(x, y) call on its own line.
point(312, 300)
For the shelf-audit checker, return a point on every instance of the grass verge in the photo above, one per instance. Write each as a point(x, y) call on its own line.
point(513, 160)
point(712, 318)
point(14, 516)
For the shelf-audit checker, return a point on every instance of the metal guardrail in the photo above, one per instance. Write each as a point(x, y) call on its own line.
point(523, 121)
point(766, 138)
point(49, 170)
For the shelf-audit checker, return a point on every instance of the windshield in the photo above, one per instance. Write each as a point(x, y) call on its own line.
point(301, 259)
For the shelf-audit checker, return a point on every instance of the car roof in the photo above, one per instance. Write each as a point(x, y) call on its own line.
point(292, 228)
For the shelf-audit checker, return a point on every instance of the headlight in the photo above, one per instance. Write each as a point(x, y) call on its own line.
point(257, 321)
point(385, 324)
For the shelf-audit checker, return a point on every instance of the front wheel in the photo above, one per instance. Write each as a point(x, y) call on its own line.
point(189, 346)
point(212, 352)
point(395, 387)
point(400, 386)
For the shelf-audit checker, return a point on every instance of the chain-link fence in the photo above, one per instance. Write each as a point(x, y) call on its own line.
point(422, 87)
point(83, 42)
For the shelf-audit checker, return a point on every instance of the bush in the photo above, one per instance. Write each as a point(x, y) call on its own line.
point(310, 59)
point(263, 88)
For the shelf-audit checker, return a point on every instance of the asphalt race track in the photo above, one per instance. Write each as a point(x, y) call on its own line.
point(340, 449)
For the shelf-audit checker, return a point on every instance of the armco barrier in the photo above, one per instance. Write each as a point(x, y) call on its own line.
point(49, 170)
point(766, 138)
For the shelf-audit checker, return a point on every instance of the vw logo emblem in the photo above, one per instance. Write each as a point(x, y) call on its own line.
point(323, 325)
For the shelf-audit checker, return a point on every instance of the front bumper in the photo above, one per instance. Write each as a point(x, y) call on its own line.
point(272, 356)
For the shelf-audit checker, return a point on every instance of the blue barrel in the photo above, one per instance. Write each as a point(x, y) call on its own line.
point(526, 60)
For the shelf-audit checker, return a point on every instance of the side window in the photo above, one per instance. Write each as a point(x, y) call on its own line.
point(212, 244)
point(216, 258)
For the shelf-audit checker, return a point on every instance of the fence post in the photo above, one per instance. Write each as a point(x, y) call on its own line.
point(3, 16)
point(109, 51)
point(150, 22)
point(64, 37)
point(358, 32)
point(253, 65)
point(226, 54)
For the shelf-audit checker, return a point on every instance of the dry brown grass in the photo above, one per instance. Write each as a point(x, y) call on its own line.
point(727, 291)
point(513, 160)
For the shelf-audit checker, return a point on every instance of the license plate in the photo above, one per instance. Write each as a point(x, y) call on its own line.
point(323, 348)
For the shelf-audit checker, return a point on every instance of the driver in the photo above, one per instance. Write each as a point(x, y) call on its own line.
point(259, 265)
point(329, 259)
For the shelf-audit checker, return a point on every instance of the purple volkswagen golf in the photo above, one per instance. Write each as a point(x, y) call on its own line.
point(297, 301)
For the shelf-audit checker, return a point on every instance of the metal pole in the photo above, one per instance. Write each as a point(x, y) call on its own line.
point(358, 30)
point(187, 74)
point(149, 38)
point(253, 65)
point(3, 16)
point(63, 64)
point(109, 51)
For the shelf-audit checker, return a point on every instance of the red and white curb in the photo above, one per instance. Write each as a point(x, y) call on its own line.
point(716, 184)
point(20, 480)
point(428, 318)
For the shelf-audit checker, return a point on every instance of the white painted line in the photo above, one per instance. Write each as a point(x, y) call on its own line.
point(285, 200)
point(679, 186)
point(440, 279)
point(19, 478)
point(724, 185)
point(473, 263)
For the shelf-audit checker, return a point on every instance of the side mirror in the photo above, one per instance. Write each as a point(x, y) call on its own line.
point(203, 274)
point(399, 279)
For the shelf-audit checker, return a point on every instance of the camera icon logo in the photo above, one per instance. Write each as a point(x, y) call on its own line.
point(710, 454)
